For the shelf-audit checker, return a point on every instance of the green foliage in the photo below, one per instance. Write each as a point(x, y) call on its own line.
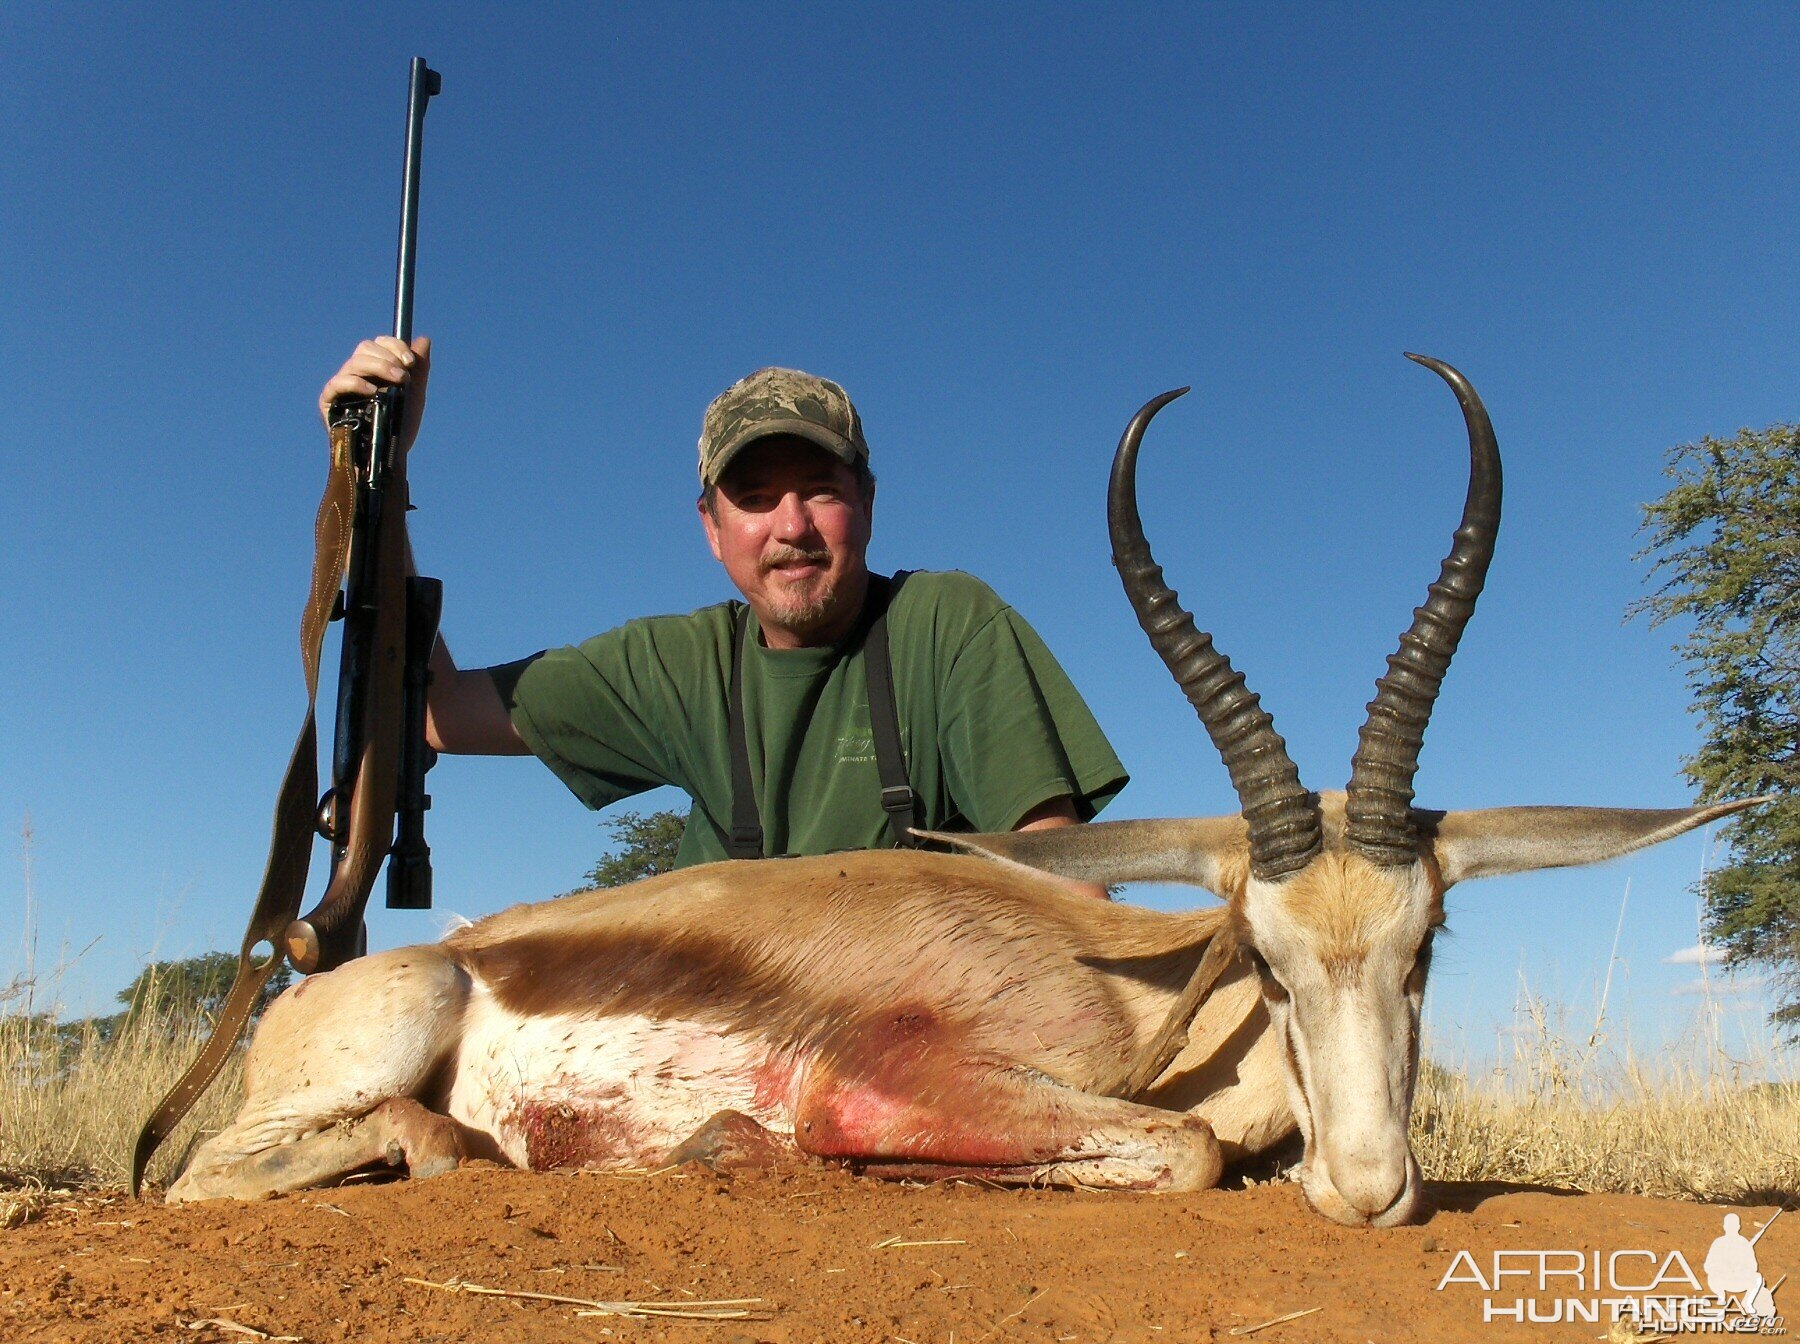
point(646, 846)
point(1725, 541)
point(193, 987)
point(167, 999)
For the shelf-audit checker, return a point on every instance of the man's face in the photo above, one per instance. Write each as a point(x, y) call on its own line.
point(792, 531)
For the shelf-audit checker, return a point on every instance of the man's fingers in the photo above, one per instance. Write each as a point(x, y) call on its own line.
point(344, 385)
point(419, 360)
point(378, 361)
point(349, 385)
point(395, 348)
point(415, 399)
point(382, 361)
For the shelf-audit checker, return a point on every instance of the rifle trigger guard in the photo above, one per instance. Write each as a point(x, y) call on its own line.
point(328, 821)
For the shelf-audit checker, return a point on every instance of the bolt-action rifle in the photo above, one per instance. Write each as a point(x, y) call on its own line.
point(390, 624)
point(375, 807)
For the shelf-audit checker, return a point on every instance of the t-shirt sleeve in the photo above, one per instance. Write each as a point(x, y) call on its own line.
point(595, 714)
point(1016, 733)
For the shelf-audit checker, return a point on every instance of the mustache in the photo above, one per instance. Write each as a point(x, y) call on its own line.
point(790, 555)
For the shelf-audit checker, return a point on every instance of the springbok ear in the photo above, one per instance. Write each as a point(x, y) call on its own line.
point(1499, 840)
point(1210, 852)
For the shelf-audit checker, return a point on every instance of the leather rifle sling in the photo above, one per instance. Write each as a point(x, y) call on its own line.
point(290, 847)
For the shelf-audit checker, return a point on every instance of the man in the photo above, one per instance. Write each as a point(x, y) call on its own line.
point(993, 734)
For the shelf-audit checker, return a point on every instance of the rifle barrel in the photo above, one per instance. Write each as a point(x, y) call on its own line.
point(1764, 1228)
point(425, 82)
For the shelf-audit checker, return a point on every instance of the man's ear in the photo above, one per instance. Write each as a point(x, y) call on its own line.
point(711, 524)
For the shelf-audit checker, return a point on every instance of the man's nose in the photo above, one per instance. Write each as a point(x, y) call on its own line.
point(792, 520)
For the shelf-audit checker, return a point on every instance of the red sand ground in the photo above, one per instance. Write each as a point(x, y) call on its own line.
point(816, 1247)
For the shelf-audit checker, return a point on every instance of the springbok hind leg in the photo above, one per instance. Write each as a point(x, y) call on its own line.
point(931, 1114)
point(332, 1077)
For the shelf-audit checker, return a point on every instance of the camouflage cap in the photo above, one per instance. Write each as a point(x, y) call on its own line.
point(779, 401)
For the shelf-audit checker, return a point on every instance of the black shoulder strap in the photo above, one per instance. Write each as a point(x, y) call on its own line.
point(746, 838)
point(897, 797)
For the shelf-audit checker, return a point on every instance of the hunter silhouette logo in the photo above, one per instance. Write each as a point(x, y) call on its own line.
point(1656, 1292)
point(1732, 1273)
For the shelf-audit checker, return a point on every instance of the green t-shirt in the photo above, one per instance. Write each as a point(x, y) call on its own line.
point(991, 724)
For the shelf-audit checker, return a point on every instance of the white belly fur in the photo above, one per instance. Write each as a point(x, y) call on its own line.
point(636, 1085)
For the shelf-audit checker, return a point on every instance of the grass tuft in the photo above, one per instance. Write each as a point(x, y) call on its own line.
point(1692, 1123)
point(74, 1094)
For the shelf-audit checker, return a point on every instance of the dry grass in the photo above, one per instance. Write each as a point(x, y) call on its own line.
point(71, 1102)
point(74, 1095)
point(1693, 1122)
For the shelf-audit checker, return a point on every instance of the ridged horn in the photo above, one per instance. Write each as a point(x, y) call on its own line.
point(1283, 817)
point(1377, 820)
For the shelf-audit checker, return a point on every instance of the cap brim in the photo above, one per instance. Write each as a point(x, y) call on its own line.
point(836, 444)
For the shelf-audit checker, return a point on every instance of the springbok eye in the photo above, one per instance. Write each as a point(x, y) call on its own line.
point(1272, 988)
point(1421, 967)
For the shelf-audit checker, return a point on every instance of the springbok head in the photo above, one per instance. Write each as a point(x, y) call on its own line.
point(1336, 897)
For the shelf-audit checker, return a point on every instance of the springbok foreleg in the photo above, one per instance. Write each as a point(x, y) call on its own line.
point(399, 1132)
point(903, 1101)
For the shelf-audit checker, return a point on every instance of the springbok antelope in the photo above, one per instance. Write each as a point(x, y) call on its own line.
point(918, 1014)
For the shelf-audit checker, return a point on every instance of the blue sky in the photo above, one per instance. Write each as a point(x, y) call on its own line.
point(1003, 231)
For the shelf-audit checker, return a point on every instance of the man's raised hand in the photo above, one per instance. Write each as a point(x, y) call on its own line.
point(384, 361)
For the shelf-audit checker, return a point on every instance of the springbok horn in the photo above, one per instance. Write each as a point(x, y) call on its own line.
point(1377, 819)
point(1283, 817)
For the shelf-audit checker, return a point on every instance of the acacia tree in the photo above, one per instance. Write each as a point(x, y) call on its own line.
point(1725, 546)
point(193, 985)
point(647, 845)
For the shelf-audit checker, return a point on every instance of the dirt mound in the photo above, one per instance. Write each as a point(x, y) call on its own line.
point(826, 1256)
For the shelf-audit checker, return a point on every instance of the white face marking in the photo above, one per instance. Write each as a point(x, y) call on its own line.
point(1341, 942)
point(623, 1090)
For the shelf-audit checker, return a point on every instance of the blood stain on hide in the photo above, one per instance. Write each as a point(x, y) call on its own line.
point(560, 1134)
